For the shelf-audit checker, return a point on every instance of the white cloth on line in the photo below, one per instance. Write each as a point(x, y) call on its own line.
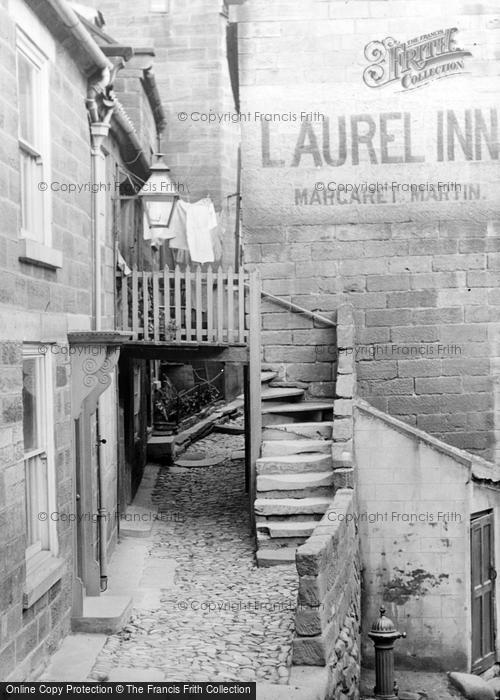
point(122, 264)
point(201, 218)
point(217, 236)
point(178, 226)
point(194, 226)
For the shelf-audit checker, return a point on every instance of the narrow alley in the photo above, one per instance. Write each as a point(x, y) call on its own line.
point(219, 617)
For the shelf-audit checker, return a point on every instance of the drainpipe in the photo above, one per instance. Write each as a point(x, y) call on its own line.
point(101, 508)
point(99, 130)
point(98, 133)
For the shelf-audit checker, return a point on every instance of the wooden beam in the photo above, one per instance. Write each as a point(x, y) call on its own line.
point(185, 352)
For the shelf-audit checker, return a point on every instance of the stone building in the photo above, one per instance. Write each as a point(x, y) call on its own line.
point(192, 42)
point(370, 181)
point(339, 205)
point(67, 148)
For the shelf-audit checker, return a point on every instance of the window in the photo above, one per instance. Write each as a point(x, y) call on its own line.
point(37, 453)
point(32, 86)
point(43, 568)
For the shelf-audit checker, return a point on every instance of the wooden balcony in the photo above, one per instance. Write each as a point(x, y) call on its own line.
point(185, 306)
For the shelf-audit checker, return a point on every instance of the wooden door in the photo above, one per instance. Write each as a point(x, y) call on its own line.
point(483, 591)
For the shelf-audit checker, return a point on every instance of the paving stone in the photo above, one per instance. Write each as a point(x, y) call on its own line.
point(204, 462)
point(123, 674)
point(219, 617)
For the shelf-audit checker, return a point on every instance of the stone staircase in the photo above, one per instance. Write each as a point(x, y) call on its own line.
point(295, 471)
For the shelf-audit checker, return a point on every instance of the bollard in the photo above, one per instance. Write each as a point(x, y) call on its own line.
point(384, 634)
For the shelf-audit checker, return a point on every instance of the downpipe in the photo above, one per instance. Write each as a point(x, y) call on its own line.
point(102, 514)
point(99, 130)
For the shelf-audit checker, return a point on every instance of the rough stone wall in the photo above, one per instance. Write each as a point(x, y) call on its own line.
point(300, 348)
point(421, 269)
point(38, 305)
point(345, 387)
point(192, 74)
point(327, 621)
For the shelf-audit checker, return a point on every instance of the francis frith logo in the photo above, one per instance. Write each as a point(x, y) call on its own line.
point(414, 62)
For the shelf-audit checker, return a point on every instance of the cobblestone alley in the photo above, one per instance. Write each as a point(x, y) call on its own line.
point(222, 618)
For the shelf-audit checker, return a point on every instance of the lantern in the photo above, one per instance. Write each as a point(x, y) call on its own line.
point(159, 196)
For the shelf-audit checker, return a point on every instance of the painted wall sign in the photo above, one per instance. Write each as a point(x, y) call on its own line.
point(389, 137)
point(378, 165)
point(415, 62)
point(360, 153)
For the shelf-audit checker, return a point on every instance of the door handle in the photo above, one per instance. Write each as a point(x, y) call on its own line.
point(493, 573)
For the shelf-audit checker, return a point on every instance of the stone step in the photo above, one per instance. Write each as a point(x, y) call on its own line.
point(299, 407)
point(277, 393)
point(275, 557)
point(274, 393)
point(295, 464)
point(282, 493)
point(291, 506)
point(298, 431)
point(294, 482)
point(278, 519)
point(273, 448)
point(264, 541)
point(288, 528)
point(267, 376)
point(287, 384)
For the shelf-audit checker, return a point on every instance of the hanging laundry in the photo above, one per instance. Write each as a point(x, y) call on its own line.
point(121, 264)
point(217, 236)
point(178, 226)
point(200, 219)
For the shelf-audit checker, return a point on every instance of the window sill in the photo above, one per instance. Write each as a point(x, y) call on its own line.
point(38, 254)
point(43, 570)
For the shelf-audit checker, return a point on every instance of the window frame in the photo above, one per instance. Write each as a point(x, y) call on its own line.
point(45, 424)
point(39, 151)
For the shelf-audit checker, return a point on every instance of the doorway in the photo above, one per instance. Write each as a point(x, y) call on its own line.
point(483, 574)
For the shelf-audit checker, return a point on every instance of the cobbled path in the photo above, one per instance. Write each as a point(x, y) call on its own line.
point(223, 619)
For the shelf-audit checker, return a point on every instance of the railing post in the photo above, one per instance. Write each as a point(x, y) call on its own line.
point(254, 386)
point(135, 303)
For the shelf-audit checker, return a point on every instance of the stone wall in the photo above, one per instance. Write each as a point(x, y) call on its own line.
point(345, 387)
point(299, 348)
point(421, 268)
point(38, 305)
point(327, 621)
point(416, 495)
point(191, 69)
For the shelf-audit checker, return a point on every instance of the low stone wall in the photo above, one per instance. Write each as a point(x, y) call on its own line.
point(328, 610)
point(345, 384)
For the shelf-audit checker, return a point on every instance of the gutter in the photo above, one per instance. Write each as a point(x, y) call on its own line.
point(153, 95)
point(58, 16)
point(63, 22)
point(139, 159)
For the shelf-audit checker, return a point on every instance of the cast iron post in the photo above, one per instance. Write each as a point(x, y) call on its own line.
point(383, 635)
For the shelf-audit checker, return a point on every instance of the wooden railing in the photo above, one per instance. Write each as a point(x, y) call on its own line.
point(184, 305)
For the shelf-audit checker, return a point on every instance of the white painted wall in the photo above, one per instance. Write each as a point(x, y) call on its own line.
point(419, 570)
